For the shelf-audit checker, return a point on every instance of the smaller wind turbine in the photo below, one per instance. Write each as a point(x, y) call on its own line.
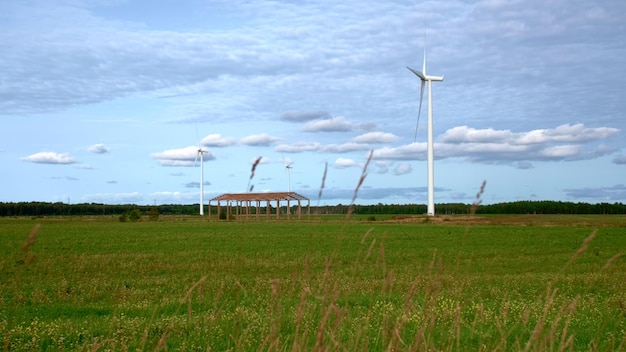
point(288, 167)
point(201, 153)
point(431, 167)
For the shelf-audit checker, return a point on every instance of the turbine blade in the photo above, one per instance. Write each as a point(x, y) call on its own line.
point(417, 73)
point(196, 160)
point(424, 64)
point(419, 110)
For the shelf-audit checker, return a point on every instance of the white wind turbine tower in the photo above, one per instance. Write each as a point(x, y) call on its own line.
point(431, 167)
point(201, 153)
point(288, 168)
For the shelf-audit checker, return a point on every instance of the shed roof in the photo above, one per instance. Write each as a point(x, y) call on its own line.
point(265, 196)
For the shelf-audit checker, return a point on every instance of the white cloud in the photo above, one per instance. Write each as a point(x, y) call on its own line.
point(620, 160)
point(614, 193)
point(407, 194)
point(187, 156)
point(560, 151)
point(196, 184)
point(382, 166)
point(344, 148)
point(98, 149)
point(298, 147)
point(411, 151)
point(262, 139)
point(68, 178)
point(50, 158)
point(479, 150)
point(114, 198)
point(524, 165)
point(563, 143)
point(563, 133)
point(174, 197)
point(335, 124)
point(566, 133)
point(375, 138)
point(342, 163)
point(301, 116)
point(403, 169)
point(317, 147)
point(464, 134)
point(216, 140)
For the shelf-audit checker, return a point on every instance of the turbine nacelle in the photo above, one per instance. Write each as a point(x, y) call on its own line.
point(434, 78)
point(199, 152)
point(424, 77)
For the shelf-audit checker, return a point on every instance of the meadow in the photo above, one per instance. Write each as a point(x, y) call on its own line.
point(524, 283)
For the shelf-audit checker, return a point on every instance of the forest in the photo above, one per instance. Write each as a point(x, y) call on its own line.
point(518, 207)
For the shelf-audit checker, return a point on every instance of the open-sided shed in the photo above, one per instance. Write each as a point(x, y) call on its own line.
point(242, 204)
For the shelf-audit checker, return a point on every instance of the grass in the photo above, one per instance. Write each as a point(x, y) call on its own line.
point(541, 283)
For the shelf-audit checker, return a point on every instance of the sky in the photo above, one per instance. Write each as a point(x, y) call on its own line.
point(108, 101)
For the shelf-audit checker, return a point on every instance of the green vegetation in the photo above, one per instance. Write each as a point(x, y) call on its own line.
point(395, 283)
point(519, 207)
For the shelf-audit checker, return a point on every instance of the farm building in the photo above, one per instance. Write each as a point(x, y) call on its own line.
point(250, 204)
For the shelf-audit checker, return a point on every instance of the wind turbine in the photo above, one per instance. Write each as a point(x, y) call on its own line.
point(431, 167)
point(288, 168)
point(201, 153)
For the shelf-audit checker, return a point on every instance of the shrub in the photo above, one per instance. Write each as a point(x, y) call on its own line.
point(135, 215)
point(154, 214)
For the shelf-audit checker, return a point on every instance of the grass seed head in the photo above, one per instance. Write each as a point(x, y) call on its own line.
point(254, 165)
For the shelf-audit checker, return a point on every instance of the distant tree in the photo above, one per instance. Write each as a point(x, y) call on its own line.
point(123, 217)
point(154, 214)
point(517, 207)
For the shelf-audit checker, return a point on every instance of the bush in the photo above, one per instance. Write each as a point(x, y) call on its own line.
point(135, 215)
point(154, 214)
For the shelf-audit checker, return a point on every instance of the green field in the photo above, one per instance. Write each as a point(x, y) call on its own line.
point(451, 284)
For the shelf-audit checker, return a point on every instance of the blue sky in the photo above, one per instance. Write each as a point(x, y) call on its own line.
point(107, 100)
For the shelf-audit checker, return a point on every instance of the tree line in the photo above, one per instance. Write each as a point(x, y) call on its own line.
point(518, 207)
point(58, 209)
